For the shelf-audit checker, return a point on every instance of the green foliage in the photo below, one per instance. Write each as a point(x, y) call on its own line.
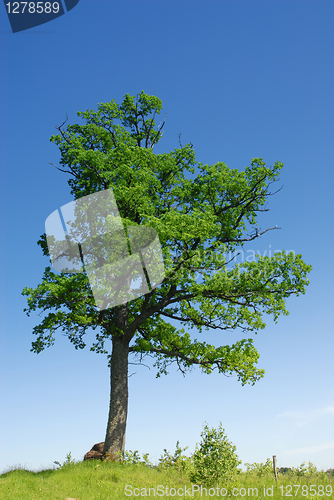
point(214, 459)
point(304, 470)
point(260, 469)
point(68, 461)
point(133, 457)
point(199, 220)
point(178, 461)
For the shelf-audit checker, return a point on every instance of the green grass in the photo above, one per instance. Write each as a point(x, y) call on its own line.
point(97, 480)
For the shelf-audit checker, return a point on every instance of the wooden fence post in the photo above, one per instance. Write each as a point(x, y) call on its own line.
point(274, 464)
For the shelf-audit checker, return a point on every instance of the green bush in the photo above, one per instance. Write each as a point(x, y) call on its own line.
point(177, 461)
point(133, 457)
point(305, 470)
point(214, 459)
point(260, 469)
point(68, 461)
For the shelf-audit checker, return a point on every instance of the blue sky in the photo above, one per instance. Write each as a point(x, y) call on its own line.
point(239, 79)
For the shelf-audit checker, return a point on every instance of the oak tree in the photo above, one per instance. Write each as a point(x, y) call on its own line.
point(202, 218)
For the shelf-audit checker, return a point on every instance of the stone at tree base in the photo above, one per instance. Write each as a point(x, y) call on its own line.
point(96, 453)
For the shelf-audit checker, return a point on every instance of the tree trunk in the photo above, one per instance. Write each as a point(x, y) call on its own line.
point(118, 411)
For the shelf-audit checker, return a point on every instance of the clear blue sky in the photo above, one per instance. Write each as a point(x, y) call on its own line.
point(239, 79)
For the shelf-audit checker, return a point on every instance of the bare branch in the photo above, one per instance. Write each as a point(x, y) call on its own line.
point(179, 136)
point(59, 127)
point(61, 170)
point(159, 130)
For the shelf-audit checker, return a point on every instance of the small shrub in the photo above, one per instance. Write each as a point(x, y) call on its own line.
point(304, 470)
point(214, 458)
point(260, 469)
point(68, 461)
point(133, 457)
point(177, 461)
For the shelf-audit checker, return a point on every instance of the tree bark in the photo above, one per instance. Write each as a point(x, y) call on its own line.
point(115, 435)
